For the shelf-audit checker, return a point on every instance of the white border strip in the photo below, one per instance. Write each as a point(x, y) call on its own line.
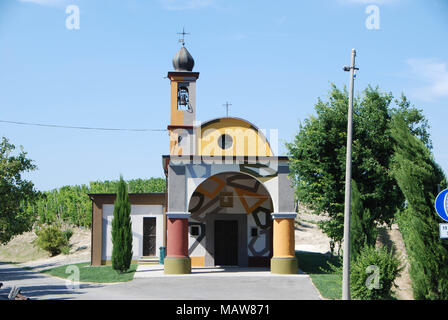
point(284, 215)
point(178, 215)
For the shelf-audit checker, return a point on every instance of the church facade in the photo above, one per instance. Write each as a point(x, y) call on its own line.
point(229, 201)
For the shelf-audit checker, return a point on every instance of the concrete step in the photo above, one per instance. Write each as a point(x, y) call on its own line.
point(148, 260)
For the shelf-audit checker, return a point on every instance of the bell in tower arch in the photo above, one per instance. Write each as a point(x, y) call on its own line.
point(183, 98)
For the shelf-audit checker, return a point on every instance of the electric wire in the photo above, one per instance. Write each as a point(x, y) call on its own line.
point(78, 127)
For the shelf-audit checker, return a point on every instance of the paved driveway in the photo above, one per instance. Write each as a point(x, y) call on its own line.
point(36, 285)
point(151, 285)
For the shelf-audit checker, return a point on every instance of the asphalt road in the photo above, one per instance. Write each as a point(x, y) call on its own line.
point(37, 286)
point(190, 287)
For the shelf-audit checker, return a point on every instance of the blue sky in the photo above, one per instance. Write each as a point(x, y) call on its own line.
point(270, 59)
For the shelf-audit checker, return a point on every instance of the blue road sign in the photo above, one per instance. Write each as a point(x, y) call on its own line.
point(441, 204)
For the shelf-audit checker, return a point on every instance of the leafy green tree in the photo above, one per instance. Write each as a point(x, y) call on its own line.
point(318, 153)
point(15, 192)
point(122, 229)
point(418, 175)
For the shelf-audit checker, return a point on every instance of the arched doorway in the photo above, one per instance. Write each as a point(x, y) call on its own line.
point(230, 222)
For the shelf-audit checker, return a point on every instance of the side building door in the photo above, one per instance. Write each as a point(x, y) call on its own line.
point(149, 236)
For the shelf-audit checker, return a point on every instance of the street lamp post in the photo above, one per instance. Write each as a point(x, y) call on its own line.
point(348, 178)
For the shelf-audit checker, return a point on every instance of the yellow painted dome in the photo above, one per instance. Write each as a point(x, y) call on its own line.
point(231, 137)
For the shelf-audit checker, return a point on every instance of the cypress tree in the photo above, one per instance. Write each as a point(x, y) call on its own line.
point(362, 227)
point(122, 229)
point(418, 175)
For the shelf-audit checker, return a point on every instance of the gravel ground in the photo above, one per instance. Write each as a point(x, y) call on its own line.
point(308, 235)
point(21, 251)
point(392, 238)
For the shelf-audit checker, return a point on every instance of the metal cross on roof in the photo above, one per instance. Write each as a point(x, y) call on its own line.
point(227, 108)
point(183, 33)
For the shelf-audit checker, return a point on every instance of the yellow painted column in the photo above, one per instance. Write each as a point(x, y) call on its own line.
point(284, 260)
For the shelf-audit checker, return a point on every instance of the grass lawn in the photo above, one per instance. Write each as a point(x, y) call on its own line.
point(101, 274)
point(328, 282)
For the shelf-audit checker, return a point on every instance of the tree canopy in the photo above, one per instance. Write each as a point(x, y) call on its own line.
point(15, 192)
point(318, 153)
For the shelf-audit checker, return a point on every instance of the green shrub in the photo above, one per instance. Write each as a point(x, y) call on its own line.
point(68, 234)
point(65, 250)
point(51, 239)
point(373, 273)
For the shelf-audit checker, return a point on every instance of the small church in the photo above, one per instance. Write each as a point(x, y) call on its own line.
point(228, 199)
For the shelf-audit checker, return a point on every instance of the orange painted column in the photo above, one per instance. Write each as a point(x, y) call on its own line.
point(177, 260)
point(284, 241)
point(284, 260)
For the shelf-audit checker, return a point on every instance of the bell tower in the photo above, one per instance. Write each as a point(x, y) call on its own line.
point(183, 101)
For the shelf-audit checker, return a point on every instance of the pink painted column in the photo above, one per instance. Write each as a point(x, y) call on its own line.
point(177, 260)
point(177, 240)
